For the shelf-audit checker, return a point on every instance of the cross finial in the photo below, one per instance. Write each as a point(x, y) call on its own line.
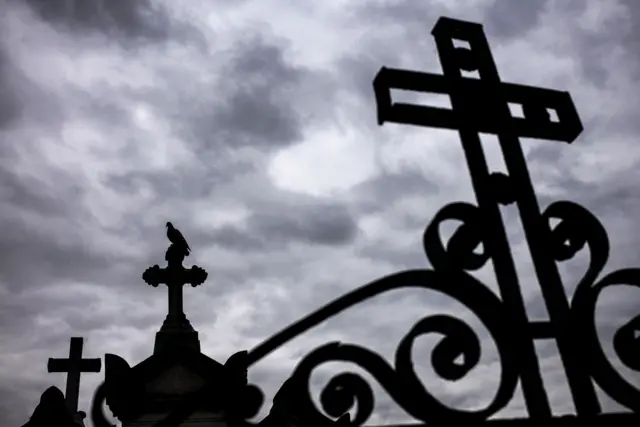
point(176, 328)
point(74, 366)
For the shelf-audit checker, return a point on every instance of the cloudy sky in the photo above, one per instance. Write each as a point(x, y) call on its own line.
point(252, 126)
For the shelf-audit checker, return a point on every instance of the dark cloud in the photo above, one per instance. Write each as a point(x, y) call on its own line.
point(599, 40)
point(278, 226)
point(321, 223)
point(10, 105)
point(238, 239)
point(507, 19)
point(251, 105)
point(103, 143)
point(392, 187)
point(138, 18)
point(399, 14)
point(631, 37)
point(28, 247)
point(21, 99)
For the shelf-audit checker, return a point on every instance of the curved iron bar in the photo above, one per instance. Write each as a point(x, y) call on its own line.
point(436, 253)
point(400, 381)
point(577, 228)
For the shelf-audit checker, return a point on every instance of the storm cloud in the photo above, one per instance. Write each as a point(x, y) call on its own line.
point(252, 127)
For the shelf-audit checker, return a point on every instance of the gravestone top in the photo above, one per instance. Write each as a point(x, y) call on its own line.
point(74, 365)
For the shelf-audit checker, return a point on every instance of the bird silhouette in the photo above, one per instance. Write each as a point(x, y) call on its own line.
point(175, 237)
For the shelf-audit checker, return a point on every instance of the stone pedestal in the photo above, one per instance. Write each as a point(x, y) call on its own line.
point(154, 388)
point(175, 340)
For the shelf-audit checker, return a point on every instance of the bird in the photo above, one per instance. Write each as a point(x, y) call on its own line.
point(175, 237)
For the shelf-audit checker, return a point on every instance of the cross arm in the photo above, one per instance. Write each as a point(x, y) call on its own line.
point(154, 275)
point(388, 111)
point(91, 365)
point(194, 276)
point(64, 365)
point(534, 102)
point(485, 118)
point(58, 365)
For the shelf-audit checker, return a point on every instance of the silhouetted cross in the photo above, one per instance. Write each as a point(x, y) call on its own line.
point(175, 276)
point(74, 366)
point(481, 105)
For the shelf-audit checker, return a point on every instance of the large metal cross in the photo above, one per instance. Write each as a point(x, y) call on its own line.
point(481, 105)
point(74, 366)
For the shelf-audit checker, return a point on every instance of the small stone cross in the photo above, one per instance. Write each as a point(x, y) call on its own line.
point(74, 366)
point(175, 276)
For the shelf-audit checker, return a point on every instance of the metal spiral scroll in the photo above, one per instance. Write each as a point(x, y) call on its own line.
point(400, 380)
point(577, 228)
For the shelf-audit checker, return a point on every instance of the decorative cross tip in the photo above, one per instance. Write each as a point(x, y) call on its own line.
point(153, 276)
point(196, 275)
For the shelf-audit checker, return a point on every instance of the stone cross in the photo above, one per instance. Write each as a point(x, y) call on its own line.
point(176, 327)
point(74, 366)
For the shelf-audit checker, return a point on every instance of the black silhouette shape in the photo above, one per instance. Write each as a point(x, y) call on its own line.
point(241, 400)
point(478, 105)
point(176, 329)
point(74, 366)
point(176, 238)
point(52, 411)
point(125, 395)
point(124, 391)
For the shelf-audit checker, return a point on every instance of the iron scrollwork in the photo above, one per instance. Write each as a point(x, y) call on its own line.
point(401, 381)
point(577, 228)
point(571, 321)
